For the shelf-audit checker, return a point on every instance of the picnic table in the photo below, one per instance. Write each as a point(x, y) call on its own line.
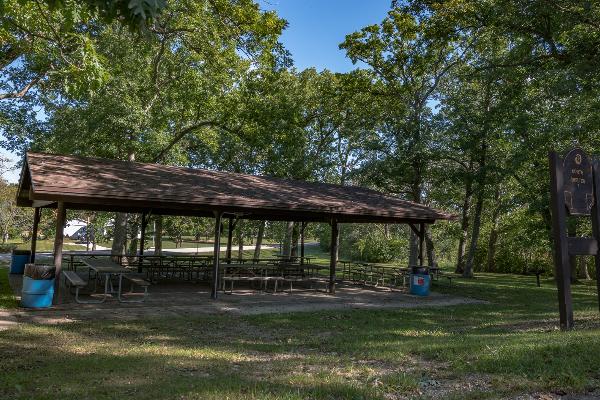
point(374, 274)
point(107, 268)
point(294, 258)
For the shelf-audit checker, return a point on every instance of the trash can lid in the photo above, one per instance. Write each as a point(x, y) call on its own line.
point(36, 271)
point(20, 252)
point(420, 270)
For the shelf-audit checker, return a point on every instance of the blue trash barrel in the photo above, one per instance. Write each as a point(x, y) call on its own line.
point(38, 286)
point(37, 293)
point(420, 281)
point(18, 260)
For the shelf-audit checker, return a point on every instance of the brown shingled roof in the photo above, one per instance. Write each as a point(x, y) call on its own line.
point(111, 185)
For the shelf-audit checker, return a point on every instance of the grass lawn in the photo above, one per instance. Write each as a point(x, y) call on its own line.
point(7, 300)
point(47, 245)
point(189, 242)
point(508, 347)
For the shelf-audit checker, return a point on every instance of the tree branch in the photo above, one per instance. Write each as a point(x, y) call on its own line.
point(22, 92)
point(182, 133)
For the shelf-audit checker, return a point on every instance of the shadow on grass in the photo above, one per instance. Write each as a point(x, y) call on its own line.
point(319, 355)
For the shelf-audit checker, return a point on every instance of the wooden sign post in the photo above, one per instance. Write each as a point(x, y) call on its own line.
point(575, 190)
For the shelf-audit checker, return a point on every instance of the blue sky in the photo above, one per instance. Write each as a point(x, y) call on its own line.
point(315, 30)
point(317, 27)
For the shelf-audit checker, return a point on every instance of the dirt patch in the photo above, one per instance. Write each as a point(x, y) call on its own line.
point(188, 300)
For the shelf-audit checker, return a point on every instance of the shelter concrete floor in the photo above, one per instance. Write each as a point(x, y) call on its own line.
point(172, 299)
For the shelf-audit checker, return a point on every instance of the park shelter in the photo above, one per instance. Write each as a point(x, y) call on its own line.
point(83, 183)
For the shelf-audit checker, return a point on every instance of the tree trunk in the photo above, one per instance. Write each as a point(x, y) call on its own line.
point(158, 227)
point(240, 238)
point(413, 258)
point(133, 243)
point(295, 239)
point(92, 232)
point(583, 272)
point(259, 239)
point(491, 253)
point(93, 237)
point(464, 225)
point(119, 244)
point(287, 242)
point(468, 272)
point(87, 233)
point(431, 258)
point(481, 181)
point(120, 235)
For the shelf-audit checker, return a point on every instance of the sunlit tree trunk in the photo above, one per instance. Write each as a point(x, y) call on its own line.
point(259, 239)
point(120, 235)
point(287, 241)
point(87, 233)
point(584, 273)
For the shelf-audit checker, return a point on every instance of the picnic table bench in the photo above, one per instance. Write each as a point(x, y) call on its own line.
point(134, 280)
point(73, 280)
point(247, 273)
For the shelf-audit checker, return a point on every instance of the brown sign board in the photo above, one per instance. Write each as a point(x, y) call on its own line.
point(578, 185)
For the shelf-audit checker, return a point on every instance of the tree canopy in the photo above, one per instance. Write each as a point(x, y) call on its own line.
point(454, 104)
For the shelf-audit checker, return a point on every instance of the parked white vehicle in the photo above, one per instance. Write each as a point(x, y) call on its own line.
point(75, 228)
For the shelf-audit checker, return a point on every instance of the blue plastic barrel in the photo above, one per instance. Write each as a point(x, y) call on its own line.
point(18, 260)
point(419, 284)
point(37, 293)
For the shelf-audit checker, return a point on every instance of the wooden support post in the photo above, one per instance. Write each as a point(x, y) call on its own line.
point(561, 251)
point(229, 240)
point(34, 232)
point(335, 244)
point(302, 227)
point(142, 240)
point(216, 255)
point(61, 217)
point(421, 244)
point(596, 222)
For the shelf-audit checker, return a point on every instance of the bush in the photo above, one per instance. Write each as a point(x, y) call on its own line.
point(367, 242)
point(375, 247)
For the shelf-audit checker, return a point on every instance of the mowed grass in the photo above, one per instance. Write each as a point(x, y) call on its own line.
point(7, 299)
point(47, 245)
point(507, 347)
